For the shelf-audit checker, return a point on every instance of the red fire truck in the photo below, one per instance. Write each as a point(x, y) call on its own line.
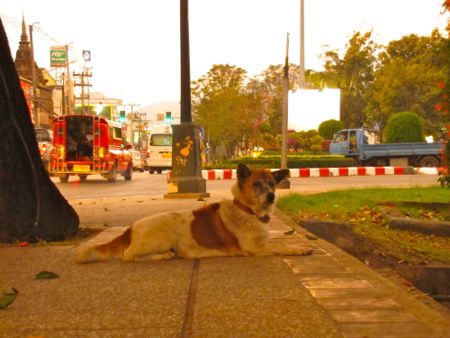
point(85, 144)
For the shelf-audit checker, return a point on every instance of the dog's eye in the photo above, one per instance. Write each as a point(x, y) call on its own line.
point(257, 185)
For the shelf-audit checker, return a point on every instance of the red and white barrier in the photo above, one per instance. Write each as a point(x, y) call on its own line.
point(229, 174)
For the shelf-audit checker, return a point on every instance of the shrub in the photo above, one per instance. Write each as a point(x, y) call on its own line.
point(328, 128)
point(404, 127)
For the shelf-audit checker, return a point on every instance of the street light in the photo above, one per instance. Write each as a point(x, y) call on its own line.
point(34, 100)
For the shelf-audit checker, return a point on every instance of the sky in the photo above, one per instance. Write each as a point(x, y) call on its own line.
point(135, 44)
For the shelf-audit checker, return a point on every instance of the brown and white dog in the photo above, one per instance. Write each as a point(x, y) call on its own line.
point(227, 228)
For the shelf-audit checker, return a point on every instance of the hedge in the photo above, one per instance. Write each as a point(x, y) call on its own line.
point(293, 161)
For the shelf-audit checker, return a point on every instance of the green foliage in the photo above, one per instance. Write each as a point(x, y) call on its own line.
point(293, 161)
point(353, 74)
point(328, 128)
point(404, 127)
point(410, 69)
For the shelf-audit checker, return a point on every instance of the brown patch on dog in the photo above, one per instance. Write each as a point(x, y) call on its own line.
point(209, 231)
point(117, 245)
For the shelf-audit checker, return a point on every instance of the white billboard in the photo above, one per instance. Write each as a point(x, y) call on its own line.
point(308, 108)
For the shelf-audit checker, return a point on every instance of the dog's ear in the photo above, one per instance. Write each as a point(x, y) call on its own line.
point(280, 175)
point(243, 172)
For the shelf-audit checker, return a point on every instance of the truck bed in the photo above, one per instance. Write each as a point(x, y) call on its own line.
point(399, 149)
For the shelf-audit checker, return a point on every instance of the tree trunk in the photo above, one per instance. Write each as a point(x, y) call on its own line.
point(31, 207)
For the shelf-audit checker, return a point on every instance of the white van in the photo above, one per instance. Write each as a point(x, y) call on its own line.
point(159, 149)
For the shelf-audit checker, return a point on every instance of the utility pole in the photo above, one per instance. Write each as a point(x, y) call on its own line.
point(285, 184)
point(69, 91)
point(186, 180)
point(302, 44)
point(35, 106)
point(82, 84)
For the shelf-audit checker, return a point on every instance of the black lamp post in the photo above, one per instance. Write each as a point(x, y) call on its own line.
point(186, 179)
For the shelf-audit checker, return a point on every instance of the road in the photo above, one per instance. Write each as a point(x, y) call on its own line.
point(156, 185)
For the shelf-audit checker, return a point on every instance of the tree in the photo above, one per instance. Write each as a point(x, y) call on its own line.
point(224, 108)
point(410, 69)
point(328, 128)
point(404, 127)
point(353, 74)
point(31, 207)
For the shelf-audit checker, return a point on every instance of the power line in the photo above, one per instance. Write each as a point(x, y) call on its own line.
point(17, 23)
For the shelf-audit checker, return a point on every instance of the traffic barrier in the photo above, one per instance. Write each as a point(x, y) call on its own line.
point(228, 174)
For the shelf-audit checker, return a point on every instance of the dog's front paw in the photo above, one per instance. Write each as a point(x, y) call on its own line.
point(303, 251)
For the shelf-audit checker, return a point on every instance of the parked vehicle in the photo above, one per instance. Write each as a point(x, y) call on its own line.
point(159, 149)
point(44, 138)
point(84, 145)
point(359, 144)
point(139, 161)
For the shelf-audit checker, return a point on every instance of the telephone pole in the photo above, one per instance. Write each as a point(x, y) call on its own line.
point(35, 106)
point(82, 76)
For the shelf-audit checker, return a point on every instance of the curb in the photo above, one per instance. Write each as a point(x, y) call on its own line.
point(229, 174)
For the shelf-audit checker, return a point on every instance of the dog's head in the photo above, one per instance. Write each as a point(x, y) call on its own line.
point(255, 188)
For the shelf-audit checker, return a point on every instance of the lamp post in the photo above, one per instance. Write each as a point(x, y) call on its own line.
point(285, 183)
point(35, 105)
point(186, 180)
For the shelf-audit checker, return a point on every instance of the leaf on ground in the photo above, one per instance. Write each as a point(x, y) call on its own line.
point(23, 244)
point(140, 201)
point(290, 232)
point(7, 296)
point(46, 275)
point(311, 237)
point(107, 209)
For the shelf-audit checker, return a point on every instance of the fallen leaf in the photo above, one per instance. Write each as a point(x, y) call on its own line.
point(7, 296)
point(140, 201)
point(23, 244)
point(290, 232)
point(46, 275)
point(311, 237)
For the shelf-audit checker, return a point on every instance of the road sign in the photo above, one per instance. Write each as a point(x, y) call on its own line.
point(58, 56)
point(87, 55)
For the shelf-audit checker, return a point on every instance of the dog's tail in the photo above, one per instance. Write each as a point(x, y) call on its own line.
point(91, 251)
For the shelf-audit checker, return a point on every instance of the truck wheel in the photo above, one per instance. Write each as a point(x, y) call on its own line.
point(429, 161)
point(64, 179)
point(151, 171)
point(112, 176)
point(83, 178)
point(128, 174)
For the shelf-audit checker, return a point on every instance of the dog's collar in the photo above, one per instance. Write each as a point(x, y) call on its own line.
point(248, 210)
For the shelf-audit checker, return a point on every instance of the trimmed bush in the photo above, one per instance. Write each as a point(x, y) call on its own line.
point(328, 128)
point(293, 161)
point(404, 127)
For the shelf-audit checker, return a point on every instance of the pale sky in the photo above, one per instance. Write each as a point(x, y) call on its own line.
point(135, 44)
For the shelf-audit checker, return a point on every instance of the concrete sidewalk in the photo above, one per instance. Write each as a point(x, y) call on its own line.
point(328, 294)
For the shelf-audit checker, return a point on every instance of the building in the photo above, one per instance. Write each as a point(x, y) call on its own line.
point(40, 106)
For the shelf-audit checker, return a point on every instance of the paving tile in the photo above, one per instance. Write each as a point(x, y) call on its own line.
point(337, 283)
point(316, 264)
point(397, 330)
point(346, 293)
point(371, 315)
point(358, 303)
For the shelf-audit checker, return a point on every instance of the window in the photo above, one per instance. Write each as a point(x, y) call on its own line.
point(341, 137)
point(161, 140)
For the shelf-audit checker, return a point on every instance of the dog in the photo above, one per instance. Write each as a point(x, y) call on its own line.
point(228, 228)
